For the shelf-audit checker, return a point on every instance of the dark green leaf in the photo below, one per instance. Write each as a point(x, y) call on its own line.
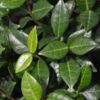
point(92, 93)
point(86, 76)
point(60, 18)
point(41, 9)
point(81, 45)
point(88, 19)
point(70, 72)
point(85, 4)
point(31, 89)
point(23, 62)
point(41, 71)
point(55, 50)
point(1, 49)
point(32, 40)
point(18, 41)
point(7, 87)
point(59, 95)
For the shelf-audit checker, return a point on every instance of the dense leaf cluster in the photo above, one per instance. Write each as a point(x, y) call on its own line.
point(47, 48)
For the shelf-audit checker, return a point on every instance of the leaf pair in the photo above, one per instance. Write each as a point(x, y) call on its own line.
point(70, 72)
point(25, 59)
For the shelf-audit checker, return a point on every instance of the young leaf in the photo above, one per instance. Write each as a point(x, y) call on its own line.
point(31, 89)
point(88, 19)
point(41, 9)
point(23, 62)
point(41, 71)
point(11, 4)
point(81, 45)
point(85, 4)
point(59, 95)
point(70, 72)
point(1, 48)
point(60, 18)
point(92, 93)
point(32, 40)
point(86, 76)
point(55, 50)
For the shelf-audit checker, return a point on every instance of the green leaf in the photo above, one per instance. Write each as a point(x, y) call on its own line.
point(7, 86)
point(86, 76)
point(3, 12)
point(85, 4)
point(92, 93)
point(88, 19)
point(60, 18)
point(44, 41)
point(81, 45)
point(31, 89)
point(1, 48)
point(55, 50)
point(70, 72)
point(32, 40)
point(11, 4)
point(23, 62)
point(18, 41)
point(59, 95)
point(41, 9)
point(41, 71)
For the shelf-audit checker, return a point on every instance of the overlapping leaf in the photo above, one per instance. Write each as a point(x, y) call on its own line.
point(41, 9)
point(60, 18)
point(70, 72)
point(55, 50)
point(31, 89)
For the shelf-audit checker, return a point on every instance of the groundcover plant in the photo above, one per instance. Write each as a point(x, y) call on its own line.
point(49, 50)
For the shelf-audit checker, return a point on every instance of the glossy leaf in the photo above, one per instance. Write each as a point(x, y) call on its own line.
point(55, 50)
point(18, 41)
point(23, 62)
point(60, 18)
point(32, 40)
point(92, 93)
point(85, 4)
point(82, 45)
point(88, 19)
point(11, 4)
point(31, 89)
point(41, 9)
point(59, 95)
point(86, 76)
point(41, 71)
point(70, 72)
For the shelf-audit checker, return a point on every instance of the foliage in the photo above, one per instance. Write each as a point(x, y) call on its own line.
point(49, 49)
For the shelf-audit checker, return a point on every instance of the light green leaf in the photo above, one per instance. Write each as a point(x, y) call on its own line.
point(23, 62)
point(41, 9)
point(59, 95)
point(11, 4)
point(41, 71)
point(55, 50)
point(32, 40)
point(60, 18)
point(88, 19)
point(70, 72)
point(92, 93)
point(31, 89)
point(85, 4)
point(81, 45)
point(86, 76)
